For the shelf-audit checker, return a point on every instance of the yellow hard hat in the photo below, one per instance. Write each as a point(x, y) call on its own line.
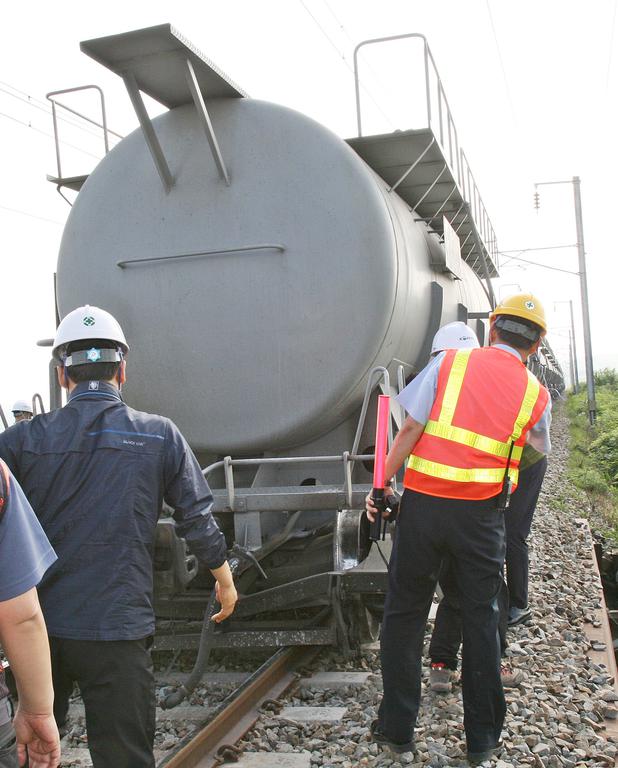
point(523, 305)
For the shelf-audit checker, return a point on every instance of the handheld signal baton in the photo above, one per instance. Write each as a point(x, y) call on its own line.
point(377, 530)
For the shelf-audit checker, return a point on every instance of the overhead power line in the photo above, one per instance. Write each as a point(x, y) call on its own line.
point(539, 264)
point(502, 67)
point(343, 57)
point(339, 22)
point(42, 107)
point(31, 215)
point(49, 136)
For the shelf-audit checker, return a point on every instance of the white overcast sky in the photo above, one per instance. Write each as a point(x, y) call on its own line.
point(532, 87)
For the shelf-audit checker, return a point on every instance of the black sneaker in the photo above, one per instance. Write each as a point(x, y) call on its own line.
point(395, 746)
point(476, 758)
point(518, 615)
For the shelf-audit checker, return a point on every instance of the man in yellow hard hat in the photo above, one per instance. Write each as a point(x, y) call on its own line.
point(514, 608)
point(524, 306)
point(461, 443)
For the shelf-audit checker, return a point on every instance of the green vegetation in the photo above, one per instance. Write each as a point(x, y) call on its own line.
point(593, 461)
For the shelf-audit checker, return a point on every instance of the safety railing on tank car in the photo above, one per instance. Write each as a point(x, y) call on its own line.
point(103, 124)
point(446, 132)
point(228, 463)
point(37, 400)
point(440, 122)
point(347, 457)
point(479, 212)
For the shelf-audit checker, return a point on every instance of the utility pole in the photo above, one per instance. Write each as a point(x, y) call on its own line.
point(571, 362)
point(581, 254)
point(583, 285)
point(574, 350)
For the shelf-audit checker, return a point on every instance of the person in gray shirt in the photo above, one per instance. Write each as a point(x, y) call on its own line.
point(25, 555)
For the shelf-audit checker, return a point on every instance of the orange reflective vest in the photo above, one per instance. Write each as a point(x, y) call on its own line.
point(486, 401)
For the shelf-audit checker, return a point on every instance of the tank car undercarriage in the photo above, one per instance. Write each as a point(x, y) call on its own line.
point(316, 584)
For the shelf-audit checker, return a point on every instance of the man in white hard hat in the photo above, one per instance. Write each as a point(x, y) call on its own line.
point(455, 335)
point(96, 473)
point(22, 411)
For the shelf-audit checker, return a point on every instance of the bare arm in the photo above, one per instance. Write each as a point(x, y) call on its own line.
point(226, 591)
point(24, 639)
point(402, 447)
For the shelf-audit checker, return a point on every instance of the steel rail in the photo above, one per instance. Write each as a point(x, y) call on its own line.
point(601, 649)
point(239, 711)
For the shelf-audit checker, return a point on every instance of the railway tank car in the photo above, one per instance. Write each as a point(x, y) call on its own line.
point(269, 276)
point(548, 370)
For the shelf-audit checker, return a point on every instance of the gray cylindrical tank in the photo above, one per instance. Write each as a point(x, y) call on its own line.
point(252, 350)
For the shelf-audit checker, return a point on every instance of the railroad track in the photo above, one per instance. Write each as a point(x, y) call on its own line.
point(221, 711)
point(239, 711)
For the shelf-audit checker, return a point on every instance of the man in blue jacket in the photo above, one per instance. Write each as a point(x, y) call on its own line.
point(96, 473)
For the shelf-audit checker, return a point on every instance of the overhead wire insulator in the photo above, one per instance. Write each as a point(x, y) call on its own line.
point(537, 201)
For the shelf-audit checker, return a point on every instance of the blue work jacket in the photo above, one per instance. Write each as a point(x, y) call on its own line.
point(96, 473)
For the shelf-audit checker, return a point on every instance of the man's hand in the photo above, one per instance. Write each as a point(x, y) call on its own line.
point(225, 591)
point(37, 740)
point(370, 507)
point(227, 598)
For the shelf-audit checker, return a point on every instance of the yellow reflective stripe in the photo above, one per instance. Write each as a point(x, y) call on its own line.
point(458, 474)
point(527, 406)
point(453, 386)
point(473, 439)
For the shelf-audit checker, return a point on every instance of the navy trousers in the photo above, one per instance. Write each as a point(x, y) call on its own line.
point(446, 635)
point(116, 681)
point(472, 535)
point(518, 521)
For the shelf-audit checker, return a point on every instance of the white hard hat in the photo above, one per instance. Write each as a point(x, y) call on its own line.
point(88, 323)
point(22, 406)
point(454, 336)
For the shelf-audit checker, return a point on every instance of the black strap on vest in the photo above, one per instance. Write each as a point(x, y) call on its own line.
point(507, 484)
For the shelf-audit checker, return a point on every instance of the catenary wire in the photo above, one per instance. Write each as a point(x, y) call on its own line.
point(31, 215)
point(44, 133)
point(32, 103)
point(539, 264)
point(347, 63)
point(45, 107)
point(353, 43)
point(523, 157)
point(502, 67)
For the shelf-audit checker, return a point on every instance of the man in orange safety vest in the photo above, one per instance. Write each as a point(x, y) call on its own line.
point(470, 413)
